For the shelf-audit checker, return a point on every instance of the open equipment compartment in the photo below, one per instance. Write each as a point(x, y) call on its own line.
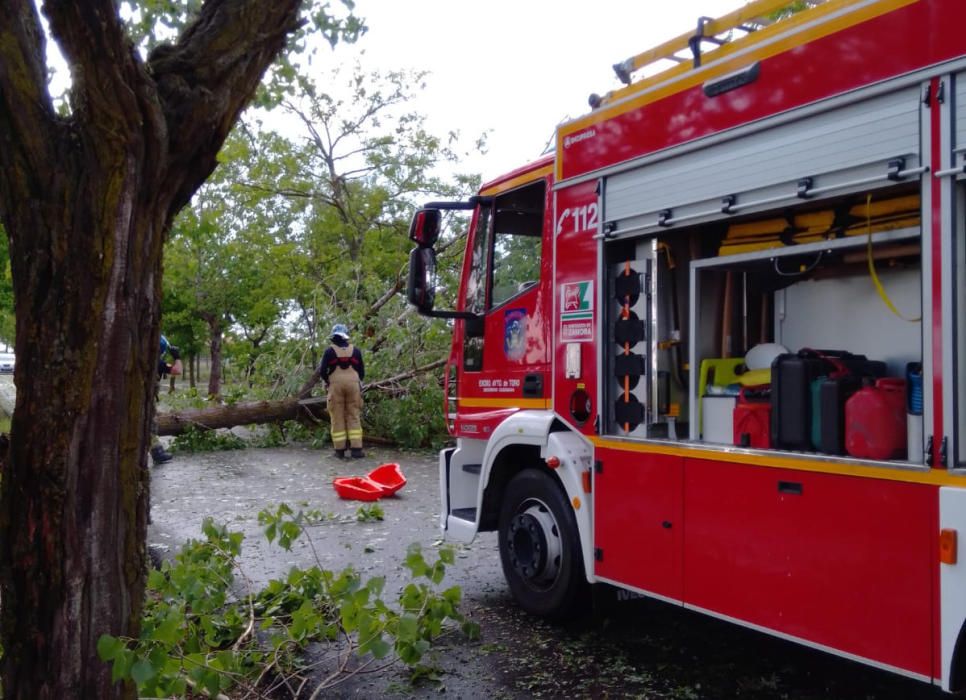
point(793, 277)
point(819, 294)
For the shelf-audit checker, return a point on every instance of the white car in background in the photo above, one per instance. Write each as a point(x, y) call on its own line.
point(7, 362)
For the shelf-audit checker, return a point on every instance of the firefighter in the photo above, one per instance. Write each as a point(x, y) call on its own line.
point(342, 371)
point(158, 454)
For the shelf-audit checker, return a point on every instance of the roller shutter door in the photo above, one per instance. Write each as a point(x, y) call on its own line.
point(849, 148)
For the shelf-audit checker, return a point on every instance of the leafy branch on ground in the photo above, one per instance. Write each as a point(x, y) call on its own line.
point(368, 514)
point(206, 629)
point(203, 440)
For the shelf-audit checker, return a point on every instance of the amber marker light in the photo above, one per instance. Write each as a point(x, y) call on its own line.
point(576, 503)
point(947, 546)
point(553, 462)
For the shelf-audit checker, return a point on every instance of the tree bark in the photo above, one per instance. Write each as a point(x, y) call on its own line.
point(86, 201)
point(248, 413)
point(251, 413)
point(214, 377)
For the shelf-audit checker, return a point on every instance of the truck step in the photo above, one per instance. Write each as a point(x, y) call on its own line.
point(472, 468)
point(468, 514)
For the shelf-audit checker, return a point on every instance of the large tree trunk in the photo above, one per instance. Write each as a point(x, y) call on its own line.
point(86, 201)
point(248, 413)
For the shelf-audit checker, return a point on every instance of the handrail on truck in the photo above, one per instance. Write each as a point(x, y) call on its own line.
point(749, 19)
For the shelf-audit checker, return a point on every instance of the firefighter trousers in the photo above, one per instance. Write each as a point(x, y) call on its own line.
point(344, 403)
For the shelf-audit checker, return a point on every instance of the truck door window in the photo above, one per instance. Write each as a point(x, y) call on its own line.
point(518, 229)
point(476, 280)
point(476, 288)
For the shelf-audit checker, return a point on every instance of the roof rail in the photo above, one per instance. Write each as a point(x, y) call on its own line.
point(748, 18)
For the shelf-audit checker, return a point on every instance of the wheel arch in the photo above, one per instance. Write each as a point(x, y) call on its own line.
point(526, 441)
point(957, 667)
point(506, 464)
point(952, 602)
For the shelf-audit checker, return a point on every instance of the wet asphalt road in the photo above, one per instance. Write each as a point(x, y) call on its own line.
point(638, 648)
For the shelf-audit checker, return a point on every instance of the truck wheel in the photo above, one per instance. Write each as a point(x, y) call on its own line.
point(540, 546)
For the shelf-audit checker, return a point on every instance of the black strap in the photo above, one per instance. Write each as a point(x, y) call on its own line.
point(629, 413)
point(631, 365)
point(627, 287)
point(787, 236)
point(629, 330)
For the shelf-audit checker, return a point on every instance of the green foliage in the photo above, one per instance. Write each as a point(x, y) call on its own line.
point(371, 513)
point(411, 420)
point(297, 233)
point(794, 7)
point(195, 439)
point(151, 23)
point(197, 634)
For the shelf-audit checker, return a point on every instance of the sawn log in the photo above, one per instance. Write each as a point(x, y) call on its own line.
point(246, 413)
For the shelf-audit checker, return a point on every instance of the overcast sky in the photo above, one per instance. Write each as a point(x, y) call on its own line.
point(516, 67)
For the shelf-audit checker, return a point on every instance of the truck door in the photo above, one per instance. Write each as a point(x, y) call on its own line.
point(506, 361)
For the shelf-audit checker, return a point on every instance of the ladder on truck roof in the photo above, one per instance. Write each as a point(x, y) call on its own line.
point(748, 19)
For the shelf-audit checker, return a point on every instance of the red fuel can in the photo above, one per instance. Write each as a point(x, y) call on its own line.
point(875, 420)
point(752, 418)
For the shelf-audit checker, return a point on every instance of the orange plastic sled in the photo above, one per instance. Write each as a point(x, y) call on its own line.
point(389, 477)
point(357, 488)
point(384, 480)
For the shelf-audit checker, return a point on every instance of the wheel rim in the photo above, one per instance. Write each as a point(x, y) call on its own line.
point(533, 543)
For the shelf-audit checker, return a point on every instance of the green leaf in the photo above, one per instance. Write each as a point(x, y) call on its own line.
point(414, 561)
point(447, 555)
point(142, 671)
point(108, 647)
point(408, 628)
point(376, 584)
point(379, 647)
point(169, 631)
point(157, 581)
point(411, 598)
point(211, 682)
point(123, 660)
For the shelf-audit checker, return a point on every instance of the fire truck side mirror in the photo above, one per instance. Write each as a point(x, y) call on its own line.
point(424, 229)
point(421, 284)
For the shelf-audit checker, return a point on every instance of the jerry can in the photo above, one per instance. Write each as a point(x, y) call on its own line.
point(875, 420)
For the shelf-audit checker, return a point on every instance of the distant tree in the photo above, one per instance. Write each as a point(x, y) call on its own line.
point(310, 226)
point(8, 329)
point(364, 162)
point(87, 195)
point(227, 261)
point(793, 8)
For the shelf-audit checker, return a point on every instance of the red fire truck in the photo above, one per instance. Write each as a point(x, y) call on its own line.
point(713, 349)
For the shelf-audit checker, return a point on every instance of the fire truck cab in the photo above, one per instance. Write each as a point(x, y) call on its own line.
point(713, 349)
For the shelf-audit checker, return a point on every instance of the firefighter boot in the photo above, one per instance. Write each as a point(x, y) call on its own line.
point(340, 454)
point(357, 453)
point(159, 455)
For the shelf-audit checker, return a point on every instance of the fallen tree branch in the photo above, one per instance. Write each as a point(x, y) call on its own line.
point(231, 415)
point(389, 381)
point(300, 406)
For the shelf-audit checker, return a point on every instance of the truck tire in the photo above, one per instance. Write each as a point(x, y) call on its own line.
point(540, 546)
